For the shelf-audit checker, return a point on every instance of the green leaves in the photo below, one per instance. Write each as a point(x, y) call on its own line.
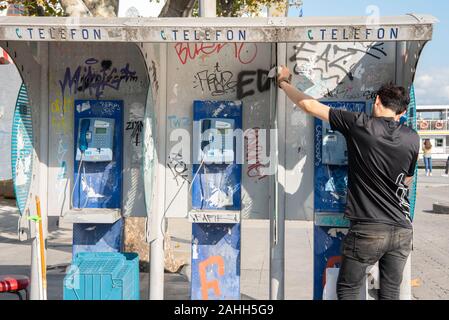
point(36, 8)
point(238, 8)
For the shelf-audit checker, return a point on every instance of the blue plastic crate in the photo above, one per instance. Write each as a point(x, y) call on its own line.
point(103, 276)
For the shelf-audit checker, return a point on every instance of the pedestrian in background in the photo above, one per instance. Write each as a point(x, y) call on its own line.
point(427, 150)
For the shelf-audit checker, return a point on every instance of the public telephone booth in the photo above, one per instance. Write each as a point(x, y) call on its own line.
point(180, 118)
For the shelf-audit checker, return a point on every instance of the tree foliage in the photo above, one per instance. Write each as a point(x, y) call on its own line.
point(35, 8)
point(238, 8)
point(172, 8)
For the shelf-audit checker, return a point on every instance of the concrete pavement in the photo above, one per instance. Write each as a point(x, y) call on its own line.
point(430, 259)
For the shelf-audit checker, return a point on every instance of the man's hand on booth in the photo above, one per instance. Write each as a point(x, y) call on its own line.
point(302, 100)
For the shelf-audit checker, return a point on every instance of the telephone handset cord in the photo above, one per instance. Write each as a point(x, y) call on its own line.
point(75, 182)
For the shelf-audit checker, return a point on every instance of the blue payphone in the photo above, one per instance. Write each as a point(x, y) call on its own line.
point(217, 141)
point(217, 175)
point(334, 149)
point(216, 200)
point(95, 140)
point(98, 154)
point(97, 184)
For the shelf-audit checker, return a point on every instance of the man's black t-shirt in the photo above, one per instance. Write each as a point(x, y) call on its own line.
point(381, 154)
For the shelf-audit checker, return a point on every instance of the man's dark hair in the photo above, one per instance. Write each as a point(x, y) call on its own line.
point(394, 97)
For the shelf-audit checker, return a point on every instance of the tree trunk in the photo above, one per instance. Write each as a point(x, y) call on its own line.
point(178, 8)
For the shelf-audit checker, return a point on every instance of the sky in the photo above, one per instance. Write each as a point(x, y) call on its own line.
point(432, 77)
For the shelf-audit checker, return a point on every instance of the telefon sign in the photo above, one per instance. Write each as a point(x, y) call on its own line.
point(221, 30)
point(59, 33)
point(353, 33)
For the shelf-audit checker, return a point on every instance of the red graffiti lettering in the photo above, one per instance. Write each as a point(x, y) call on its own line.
point(213, 284)
point(240, 56)
point(242, 52)
point(253, 153)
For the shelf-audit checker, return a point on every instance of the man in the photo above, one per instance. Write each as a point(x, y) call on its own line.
point(382, 155)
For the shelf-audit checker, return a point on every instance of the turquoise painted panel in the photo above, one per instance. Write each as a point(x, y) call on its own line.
point(22, 148)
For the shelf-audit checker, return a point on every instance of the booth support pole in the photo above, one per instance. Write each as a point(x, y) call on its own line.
point(277, 217)
point(36, 290)
point(44, 129)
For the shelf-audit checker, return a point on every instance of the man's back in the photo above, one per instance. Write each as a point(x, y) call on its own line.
point(382, 153)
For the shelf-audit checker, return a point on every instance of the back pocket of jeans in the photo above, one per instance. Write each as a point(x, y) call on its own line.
point(405, 242)
point(367, 246)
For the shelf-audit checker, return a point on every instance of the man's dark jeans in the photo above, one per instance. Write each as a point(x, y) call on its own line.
point(364, 245)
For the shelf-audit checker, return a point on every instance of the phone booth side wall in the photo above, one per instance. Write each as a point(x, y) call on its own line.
point(341, 75)
point(97, 99)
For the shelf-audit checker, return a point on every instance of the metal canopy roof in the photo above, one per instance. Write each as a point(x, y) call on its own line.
point(412, 27)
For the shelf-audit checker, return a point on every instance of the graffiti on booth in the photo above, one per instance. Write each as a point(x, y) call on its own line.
point(254, 150)
point(154, 76)
point(61, 110)
point(179, 122)
point(206, 284)
point(216, 81)
point(213, 217)
point(136, 128)
point(215, 261)
point(245, 53)
point(94, 76)
point(178, 168)
point(334, 57)
point(61, 156)
point(330, 70)
point(246, 78)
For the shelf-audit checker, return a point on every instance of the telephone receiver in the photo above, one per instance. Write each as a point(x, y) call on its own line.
point(85, 124)
point(206, 125)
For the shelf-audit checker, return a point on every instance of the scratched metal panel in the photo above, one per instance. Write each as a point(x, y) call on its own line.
point(217, 72)
point(331, 72)
point(95, 71)
point(215, 261)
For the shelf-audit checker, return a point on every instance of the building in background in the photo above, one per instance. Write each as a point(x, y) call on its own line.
point(433, 124)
